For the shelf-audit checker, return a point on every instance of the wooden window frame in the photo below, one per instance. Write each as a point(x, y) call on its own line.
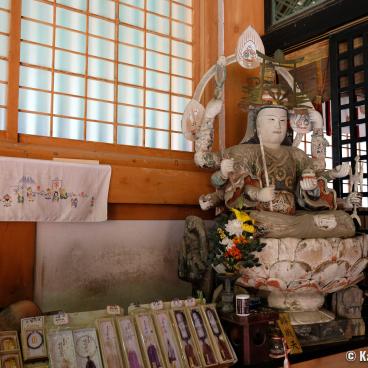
point(60, 146)
point(146, 183)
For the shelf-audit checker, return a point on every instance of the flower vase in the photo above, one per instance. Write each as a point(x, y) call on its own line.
point(227, 296)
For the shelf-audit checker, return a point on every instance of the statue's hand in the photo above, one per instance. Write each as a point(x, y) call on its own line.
point(340, 171)
point(353, 199)
point(205, 202)
point(309, 180)
point(266, 194)
point(227, 166)
point(315, 118)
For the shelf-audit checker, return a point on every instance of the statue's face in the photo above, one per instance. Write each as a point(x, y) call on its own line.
point(272, 125)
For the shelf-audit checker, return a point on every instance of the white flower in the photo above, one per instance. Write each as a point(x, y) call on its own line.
point(229, 246)
point(234, 227)
point(227, 241)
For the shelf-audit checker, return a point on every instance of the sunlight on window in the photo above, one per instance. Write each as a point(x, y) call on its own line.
point(112, 71)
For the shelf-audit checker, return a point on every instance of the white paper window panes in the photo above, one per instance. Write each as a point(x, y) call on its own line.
point(33, 124)
point(35, 78)
point(5, 4)
point(102, 28)
point(98, 132)
point(157, 61)
point(71, 19)
point(69, 84)
point(2, 118)
point(70, 40)
point(157, 139)
point(184, 2)
point(131, 36)
point(101, 48)
point(104, 8)
point(68, 128)
point(70, 62)
point(77, 4)
point(131, 95)
point(34, 100)
point(180, 143)
point(131, 75)
point(98, 110)
point(131, 16)
point(3, 94)
point(69, 106)
point(181, 13)
point(137, 3)
point(3, 70)
point(157, 119)
point(130, 115)
point(176, 122)
point(181, 49)
point(36, 32)
point(181, 86)
point(4, 21)
point(157, 100)
point(100, 90)
point(134, 87)
point(131, 55)
point(4, 45)
point(130, 136)
point(158, 43)
point(181, 31)
point(101, 68)
point(181, 67)
point(178, 103)
point(35, 55)
point(157, 80)
point(37, 10)
point(159, 6)
point(157, 24)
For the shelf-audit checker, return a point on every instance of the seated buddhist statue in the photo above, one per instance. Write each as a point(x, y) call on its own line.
point(285, 191)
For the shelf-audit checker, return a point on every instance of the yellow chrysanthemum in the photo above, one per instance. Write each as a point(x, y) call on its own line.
point(241, 216)
point(221, 233)
point(248, 228)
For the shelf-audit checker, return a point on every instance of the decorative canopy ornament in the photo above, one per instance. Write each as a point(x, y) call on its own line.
point(265, 90)
point(249, 44)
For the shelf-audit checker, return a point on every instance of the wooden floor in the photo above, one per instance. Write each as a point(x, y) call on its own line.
point(333, 361)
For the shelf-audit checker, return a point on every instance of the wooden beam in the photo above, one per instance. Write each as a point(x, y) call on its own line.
point(13, 79)
point(157, 186)
point(155, 212)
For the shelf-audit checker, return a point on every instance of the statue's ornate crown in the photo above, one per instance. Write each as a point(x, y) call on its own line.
point(266, 90)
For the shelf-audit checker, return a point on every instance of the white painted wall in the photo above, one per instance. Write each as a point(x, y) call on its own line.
point(85, 266)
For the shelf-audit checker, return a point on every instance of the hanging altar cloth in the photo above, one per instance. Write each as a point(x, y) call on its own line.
point(48, 191)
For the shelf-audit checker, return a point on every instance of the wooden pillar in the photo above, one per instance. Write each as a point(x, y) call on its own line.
point(17, 256)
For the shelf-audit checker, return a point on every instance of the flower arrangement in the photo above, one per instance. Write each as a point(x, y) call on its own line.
point(233, 242)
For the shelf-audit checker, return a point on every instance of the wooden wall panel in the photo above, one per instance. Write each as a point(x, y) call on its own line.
point(17, 250)
point(157, 186)
point(239, 14)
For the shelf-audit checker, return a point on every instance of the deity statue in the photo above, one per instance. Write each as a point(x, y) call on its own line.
point(276, 180)
point(311, 246)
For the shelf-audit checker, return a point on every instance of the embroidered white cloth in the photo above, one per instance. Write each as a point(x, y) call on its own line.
point(49, 191)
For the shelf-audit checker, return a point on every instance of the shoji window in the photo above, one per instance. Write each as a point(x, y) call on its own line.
point(349, 88)
point(106, 70)
point(4, 48)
